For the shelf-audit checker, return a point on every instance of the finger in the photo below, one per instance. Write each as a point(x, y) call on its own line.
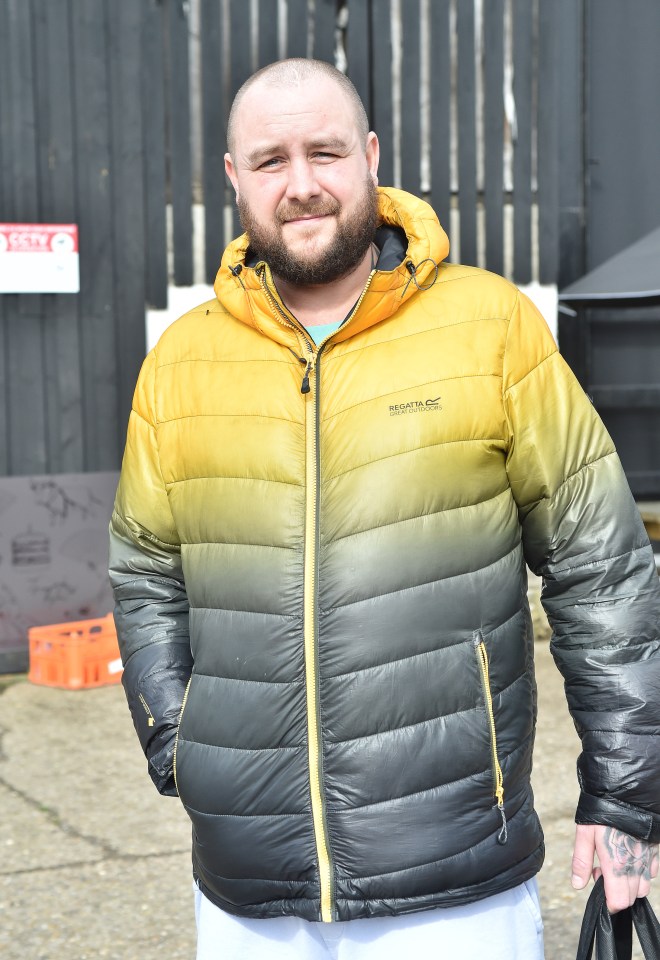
point(644, 887)
point(619, 892)
point(583, 856)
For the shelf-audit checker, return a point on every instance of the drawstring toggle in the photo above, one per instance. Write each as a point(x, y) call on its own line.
point(412, 270)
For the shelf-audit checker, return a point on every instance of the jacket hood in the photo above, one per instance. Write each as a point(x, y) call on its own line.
point(243, 289)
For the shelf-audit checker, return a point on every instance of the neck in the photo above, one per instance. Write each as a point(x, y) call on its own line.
point(326, 302)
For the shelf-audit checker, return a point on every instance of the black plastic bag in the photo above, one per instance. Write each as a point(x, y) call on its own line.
point(612, 933)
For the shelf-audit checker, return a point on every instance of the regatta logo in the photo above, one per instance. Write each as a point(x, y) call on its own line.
point(415, 406)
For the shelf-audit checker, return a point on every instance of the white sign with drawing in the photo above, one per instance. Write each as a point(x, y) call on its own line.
point(39, 258)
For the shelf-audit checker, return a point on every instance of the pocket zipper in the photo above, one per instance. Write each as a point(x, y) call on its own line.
point(147, 710)
point(498, 779)
point(176, 739)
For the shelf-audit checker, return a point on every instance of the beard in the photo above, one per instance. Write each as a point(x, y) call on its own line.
point(343, 253)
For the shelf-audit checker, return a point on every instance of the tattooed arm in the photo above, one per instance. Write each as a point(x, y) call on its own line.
point(627, 864)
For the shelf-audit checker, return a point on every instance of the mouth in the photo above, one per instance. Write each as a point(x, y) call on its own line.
point(308, 218)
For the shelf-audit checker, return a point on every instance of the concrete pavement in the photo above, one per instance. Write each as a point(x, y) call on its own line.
point(95, 864)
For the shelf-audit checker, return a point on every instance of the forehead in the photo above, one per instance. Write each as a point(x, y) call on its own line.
point(315, 109)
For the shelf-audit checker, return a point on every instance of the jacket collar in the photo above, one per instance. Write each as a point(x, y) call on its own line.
point(248, 292)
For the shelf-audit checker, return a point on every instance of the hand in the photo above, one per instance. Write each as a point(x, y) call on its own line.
point(627, 864)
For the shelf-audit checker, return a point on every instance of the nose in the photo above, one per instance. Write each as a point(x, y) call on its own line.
point(302, 183)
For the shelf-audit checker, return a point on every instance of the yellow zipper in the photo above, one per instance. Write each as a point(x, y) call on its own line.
point(176, 739)
point(357, 305)
point(285, 318)
point(314, 747)
point(147, 710)
point(289, 320)
point(309, 614)
point(498, 779)
point(311, 651)
point(311, 643)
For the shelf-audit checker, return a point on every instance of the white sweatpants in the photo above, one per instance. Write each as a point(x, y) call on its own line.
point(507, 926)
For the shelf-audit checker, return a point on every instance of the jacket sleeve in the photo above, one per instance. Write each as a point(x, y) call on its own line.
point(583, 535)
point(151, 604)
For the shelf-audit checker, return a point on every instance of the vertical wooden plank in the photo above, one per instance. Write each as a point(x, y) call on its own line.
point(622, 133)
point(467, 142)
point(214, 122)
point(381, 101)
point(4, 385)
point(95, 201)
point(325, 21)
point(268, 37)
point(296, 28)
point(19, 96)
point(8, 303)
point(411, 120)
point(572, 245)
point(440, 93)
point(179, 140)
point(54, 57)
point(240, 45)
point(522, 148)
point(124, 20)
point(381, 113)
point(57, 160)
point(494, 133)
point(25, 359)
point(240, 67)
point(5, 215)
point(358, 49)
point(548, 141)
point(153, 124)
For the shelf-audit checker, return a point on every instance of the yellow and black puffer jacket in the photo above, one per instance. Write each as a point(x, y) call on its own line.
point(318, 557)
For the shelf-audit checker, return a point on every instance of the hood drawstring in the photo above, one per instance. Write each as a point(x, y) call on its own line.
point(412, 270)
point(236, 273)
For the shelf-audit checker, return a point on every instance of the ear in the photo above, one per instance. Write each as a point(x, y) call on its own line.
point(230, 170)
point(373, 155)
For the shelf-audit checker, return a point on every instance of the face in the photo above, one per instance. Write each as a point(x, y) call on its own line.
point(305, 182)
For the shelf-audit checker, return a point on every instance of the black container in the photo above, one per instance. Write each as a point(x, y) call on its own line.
point(609, 332)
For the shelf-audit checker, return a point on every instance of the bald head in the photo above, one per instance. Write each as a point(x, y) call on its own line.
point(296, 72)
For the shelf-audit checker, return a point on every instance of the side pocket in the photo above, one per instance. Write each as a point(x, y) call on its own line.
point(147, 710)
point(176, 739)
point(498, 779)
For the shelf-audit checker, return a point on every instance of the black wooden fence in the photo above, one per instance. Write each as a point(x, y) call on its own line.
point(112, 113)
point(444, 82)
point(73, 117)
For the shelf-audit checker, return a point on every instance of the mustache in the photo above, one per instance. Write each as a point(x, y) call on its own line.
point(292, 211)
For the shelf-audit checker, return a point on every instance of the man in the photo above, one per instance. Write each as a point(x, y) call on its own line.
point(334, 475)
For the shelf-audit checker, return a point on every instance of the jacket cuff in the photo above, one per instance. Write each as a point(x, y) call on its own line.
point(638, 823)
point(161, 770)
point(155, 680)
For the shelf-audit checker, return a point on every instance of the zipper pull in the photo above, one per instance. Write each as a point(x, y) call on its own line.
point(503, 835)
point(305, 388)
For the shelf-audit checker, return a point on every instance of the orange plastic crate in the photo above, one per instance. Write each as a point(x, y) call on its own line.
point(75, 655)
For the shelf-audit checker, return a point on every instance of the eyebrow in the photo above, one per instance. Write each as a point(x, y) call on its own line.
point(261, 153)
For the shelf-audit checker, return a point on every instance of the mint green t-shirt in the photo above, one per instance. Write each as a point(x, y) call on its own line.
point(323, 330)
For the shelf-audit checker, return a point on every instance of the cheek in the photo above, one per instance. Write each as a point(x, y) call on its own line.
point(347, 190)
point(270, 188)
point(263, 196)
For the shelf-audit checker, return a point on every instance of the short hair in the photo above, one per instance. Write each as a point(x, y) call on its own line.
point(295, 71)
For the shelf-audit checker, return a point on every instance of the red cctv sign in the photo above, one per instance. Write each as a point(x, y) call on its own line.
point(39, 258)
